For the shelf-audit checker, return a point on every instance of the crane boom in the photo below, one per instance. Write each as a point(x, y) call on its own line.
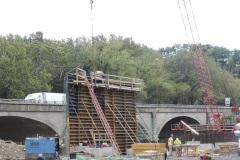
point(200, 66)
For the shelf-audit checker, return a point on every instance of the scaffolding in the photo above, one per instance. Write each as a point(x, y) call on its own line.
point(116, 98)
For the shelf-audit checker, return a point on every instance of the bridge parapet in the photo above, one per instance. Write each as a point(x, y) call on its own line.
point(16, 106)
point(170, 108)
point(22, 101)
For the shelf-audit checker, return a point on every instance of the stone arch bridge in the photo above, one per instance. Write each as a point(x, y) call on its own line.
point(19, 119)
point(158, 118)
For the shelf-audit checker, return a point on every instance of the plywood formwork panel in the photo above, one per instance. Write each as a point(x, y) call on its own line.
point(117, 105)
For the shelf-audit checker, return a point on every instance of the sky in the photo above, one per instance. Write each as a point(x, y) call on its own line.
point(155, 23)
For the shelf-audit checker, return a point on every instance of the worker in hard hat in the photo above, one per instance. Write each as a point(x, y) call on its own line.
point(170, 144)
point(99, 73)
point(178, 149)
point(177, 141)
point(100, 78)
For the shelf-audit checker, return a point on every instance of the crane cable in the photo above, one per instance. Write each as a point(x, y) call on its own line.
point(195, 22)
point(92, 39)
point(185, 26)
point(188, 18)
point(91, 2)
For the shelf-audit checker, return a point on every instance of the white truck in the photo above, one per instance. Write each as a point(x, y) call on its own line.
point(47, 97)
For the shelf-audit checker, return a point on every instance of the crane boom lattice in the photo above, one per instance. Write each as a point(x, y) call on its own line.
point(200, 65)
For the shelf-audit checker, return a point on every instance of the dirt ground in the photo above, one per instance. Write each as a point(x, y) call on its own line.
point(10, 150)
point(230, 156)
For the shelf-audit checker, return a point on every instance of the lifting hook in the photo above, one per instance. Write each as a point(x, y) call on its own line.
point(91, 2)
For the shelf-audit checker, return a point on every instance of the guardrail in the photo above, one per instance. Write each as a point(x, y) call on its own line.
point(118, 82)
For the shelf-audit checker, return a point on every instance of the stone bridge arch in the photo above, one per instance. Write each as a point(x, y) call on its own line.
point(27, 120)
point(38, 119)
point(169, 117)
point(156, 122)
point(17, 128)
point(157, 117)
point(164, 129)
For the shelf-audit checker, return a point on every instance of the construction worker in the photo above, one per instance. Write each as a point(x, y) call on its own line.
point(99, 73)
point(178, 149)
point(177, 142)
point(170, 144)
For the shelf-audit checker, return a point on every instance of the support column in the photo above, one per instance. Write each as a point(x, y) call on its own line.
point(154, 126)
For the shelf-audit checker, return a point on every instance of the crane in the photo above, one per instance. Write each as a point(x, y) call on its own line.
point(200, 66)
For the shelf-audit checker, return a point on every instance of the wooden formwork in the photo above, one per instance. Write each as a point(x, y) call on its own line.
point(117, 101)
point(139, 148)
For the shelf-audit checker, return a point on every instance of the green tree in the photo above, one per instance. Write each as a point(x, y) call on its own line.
point(35, 64)
point(180, 70)
point(17, 80)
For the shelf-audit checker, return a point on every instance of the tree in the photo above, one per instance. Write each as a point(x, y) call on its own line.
point(17, 80)
point(180, 70)
point(34, 64)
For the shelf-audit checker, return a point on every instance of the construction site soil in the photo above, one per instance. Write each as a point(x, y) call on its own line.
point(230, 156)
point(11, 151)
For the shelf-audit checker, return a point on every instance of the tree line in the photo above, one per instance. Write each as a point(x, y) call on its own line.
point(33, 63)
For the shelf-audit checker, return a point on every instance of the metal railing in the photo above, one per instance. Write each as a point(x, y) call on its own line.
point(118, 82)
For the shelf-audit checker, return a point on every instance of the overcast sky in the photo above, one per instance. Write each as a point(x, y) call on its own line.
point(155, 23)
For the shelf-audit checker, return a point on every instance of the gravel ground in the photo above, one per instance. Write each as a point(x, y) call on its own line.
point(217, 157)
